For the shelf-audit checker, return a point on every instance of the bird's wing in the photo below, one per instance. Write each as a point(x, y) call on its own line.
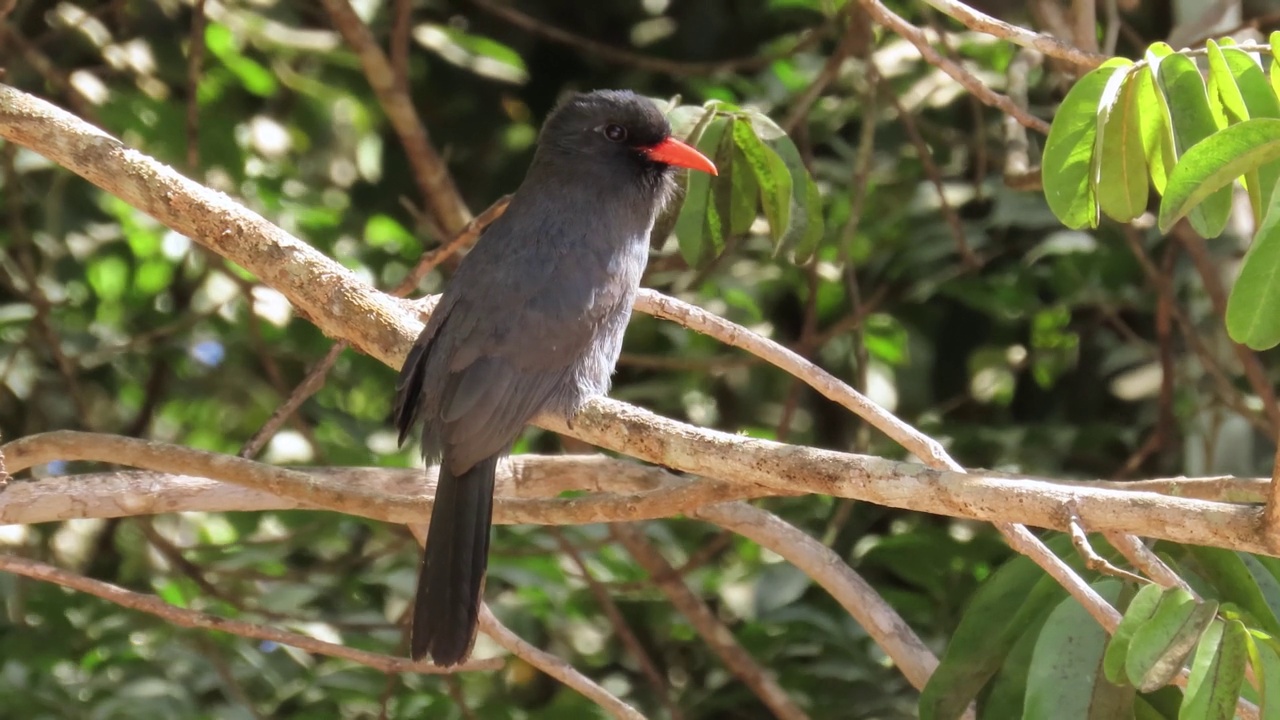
point(506, 361)
point(502, 342)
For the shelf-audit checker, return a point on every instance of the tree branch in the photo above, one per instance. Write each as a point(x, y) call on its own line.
point(1046, 44)
point(439, 194)
point(527, 491)
point(204, 621)
point(718, 637)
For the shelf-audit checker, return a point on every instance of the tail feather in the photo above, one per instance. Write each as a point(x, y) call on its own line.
point(447, 607)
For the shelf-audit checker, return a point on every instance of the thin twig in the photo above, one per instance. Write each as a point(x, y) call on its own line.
point(1018, 172)
point(695, 318)
point(1142, 557)
point(917, 37)
point(645, 62)
point(1092, 560)
point(1085, 16)
point(464, 238)
point(925, 156)
point(439, 193)
point(829, 570)
point(849, 40)
point(718, 637)
point(634, 648)
point(204, 621)
point(555, 667)
point(1047, 44)
point(310, 385)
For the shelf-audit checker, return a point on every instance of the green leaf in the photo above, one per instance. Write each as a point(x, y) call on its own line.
point(1216, 673)
point(1225, 98)
point(765, 127)
point(384, 231)
point(1212, 165)
point(1160, 645)
point(684, 119)
point(1065, 678)
point(253, 77)
point(1157, 132)
point(698, 224)
point(1227, 572)
point(108, 275)
point(722, 186)
point(772, 176)
point(1260, 102)
point(152, 276)
point(1122, 185)
point(704, 121)
point(1008, 689)
point(1184, 90)
point(1001, 610)
point(1253, 309)
point(1266, 668)
point(1141, 608)
point(1068, 152)
point(1275, 63)
point(745, 193)
point(481, 55)
point(806, 228)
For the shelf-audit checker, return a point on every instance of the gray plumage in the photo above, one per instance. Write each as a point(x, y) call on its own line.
point(532, 321)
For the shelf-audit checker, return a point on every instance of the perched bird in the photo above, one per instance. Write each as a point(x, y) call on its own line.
point(531, 322)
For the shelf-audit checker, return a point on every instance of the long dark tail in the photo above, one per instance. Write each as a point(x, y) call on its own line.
point(447, 608)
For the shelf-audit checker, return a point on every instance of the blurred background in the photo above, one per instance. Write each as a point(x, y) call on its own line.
point(952, 298)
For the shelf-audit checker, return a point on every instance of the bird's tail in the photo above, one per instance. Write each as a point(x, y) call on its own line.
point(447, 606)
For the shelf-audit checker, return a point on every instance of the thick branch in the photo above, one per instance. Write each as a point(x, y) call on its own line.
point(758, 468)
point(527, 490)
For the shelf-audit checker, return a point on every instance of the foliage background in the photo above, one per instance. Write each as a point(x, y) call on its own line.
point(976, 318)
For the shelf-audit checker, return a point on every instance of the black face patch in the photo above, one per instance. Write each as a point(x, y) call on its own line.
point(612, 130)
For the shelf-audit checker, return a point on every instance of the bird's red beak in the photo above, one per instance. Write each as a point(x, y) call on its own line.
point(673, 152)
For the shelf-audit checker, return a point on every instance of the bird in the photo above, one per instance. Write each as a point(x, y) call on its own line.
point(531, 322)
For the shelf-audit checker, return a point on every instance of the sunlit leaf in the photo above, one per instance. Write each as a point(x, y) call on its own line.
point(481, 55)
point(1157, 131)
point(1253, 308)
point(772, 176)
point(1184, 90)
point(699, 228)
point(1160, 645)
point(1208, 168)
point(1216, 673)
point(1122, 184)
point(806, 226)
point(1141, 608)
point(108, 275)
point(1068, 152)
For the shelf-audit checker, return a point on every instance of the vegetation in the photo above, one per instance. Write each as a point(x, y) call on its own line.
point(920, 211)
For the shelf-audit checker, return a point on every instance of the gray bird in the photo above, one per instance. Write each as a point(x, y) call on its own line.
point(531, 322)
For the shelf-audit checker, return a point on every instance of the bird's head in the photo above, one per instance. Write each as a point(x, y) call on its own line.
point(615, 136)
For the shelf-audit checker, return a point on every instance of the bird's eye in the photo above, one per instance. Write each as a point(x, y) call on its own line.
point(615, 133)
